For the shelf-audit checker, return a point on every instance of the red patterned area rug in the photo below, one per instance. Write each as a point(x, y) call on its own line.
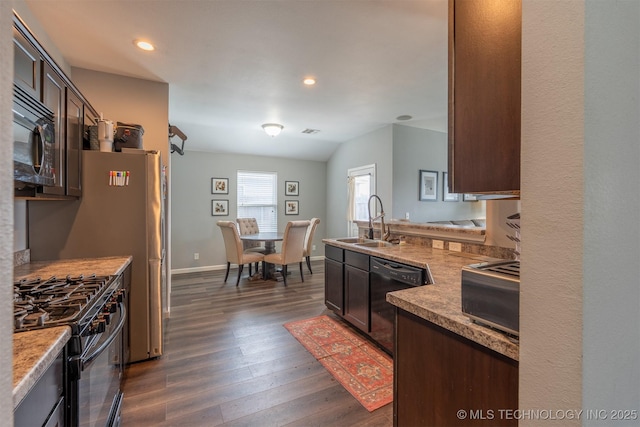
point(363, 369)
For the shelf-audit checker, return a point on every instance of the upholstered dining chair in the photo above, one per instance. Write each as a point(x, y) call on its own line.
point(250, 226)
point(292, 247)
point(308, 241)
point(235, 252)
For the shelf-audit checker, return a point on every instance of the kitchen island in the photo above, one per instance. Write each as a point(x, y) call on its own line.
point(35, 351)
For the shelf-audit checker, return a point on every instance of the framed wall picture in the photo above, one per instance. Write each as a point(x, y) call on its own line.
point(428, 186)
point(446, 196)
point(219, 207)
point(291, 207)
point(291, 188)
point(219, 185)
point(469, 198)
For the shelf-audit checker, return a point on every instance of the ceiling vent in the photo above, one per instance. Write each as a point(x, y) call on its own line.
point(310, 131)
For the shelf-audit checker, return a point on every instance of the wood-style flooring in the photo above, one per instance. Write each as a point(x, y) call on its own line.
point(228, 360)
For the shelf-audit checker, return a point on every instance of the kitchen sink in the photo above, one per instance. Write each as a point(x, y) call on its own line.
point(375, 244)
point(354, 240)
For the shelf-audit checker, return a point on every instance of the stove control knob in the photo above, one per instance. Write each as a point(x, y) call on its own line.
point(106, 316)
point(111, 307)
point(98, 326)
point(119, 295)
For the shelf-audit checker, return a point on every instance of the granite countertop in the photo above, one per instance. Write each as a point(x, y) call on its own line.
point(34, 351)
point(100, 266)
point(439, 303)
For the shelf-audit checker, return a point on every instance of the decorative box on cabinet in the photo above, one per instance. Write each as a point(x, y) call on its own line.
point(484, 96)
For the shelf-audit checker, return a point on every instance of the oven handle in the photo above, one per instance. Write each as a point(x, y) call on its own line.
point(107, 343)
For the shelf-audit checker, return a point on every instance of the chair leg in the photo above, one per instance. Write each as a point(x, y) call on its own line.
point(309, 264)
point(227, 275)
point(250, 270)
point(240, 267)
point(284, 274)
point(301, 275)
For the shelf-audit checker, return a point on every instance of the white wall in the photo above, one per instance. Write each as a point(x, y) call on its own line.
point(415, 149)
point(611, 292)
point(552, 207)
point(6, 215)
point(129, 100)
point(194, 229)
point(580, 324)
point(374, 147)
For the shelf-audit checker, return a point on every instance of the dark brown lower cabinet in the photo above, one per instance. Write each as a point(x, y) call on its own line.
point(356, 297)
point(442, 379)
point(334, 285)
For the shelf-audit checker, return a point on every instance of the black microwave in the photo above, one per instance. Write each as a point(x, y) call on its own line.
point(33, 141)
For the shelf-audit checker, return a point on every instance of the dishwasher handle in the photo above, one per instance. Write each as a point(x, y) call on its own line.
point(401, 273)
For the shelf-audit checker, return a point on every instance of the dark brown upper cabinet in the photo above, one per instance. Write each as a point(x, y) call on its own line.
point(38, 74)
point(484, 96)
point(27, 64)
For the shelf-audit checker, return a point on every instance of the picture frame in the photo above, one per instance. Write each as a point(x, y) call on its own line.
point(466, 197)
point(219, 185)
point(428, 186)
point(219, 207)
point(291, 188)
point(446, 195)
point(291, 207)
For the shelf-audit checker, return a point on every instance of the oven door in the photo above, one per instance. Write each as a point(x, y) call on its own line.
point(98, 397)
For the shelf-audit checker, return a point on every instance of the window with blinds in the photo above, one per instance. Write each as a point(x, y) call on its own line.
point(257, 198)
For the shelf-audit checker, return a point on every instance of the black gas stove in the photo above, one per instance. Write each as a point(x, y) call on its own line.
point(40, 303)
point(94, 307)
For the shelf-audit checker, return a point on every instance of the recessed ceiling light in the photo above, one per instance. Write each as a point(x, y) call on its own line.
point(144, 45)
point(404, 117)
point(309, 81)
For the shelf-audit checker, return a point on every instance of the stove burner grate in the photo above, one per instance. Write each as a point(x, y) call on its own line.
point(39, 303)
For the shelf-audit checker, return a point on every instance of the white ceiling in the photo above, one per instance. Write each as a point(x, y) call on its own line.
point(232, 65)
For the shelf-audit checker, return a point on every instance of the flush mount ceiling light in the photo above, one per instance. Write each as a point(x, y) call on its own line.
point(309, 81)
point(144, 45)
point(404, 117)
point(272, 129)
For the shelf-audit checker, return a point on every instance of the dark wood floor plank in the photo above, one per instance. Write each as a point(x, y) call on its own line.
point(229, 361)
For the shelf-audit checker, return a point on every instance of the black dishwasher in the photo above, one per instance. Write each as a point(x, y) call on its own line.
point(387, 276)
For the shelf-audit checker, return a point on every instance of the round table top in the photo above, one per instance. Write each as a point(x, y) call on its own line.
point(264, 236)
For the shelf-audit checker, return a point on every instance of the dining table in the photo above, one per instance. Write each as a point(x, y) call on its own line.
point(269, 238)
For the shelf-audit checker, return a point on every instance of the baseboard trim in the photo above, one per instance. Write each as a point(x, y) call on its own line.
point(217, 267)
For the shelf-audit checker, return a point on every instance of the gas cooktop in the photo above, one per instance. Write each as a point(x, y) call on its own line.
point(39, 303)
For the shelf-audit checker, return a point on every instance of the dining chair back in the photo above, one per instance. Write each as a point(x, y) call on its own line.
point(250, 226)
point(234, 250)
point(308, 241)
point(292, 247)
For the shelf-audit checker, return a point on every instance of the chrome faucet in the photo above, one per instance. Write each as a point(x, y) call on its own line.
point(384, 234)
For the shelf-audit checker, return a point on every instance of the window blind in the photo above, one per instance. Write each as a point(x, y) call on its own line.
point(257, 198)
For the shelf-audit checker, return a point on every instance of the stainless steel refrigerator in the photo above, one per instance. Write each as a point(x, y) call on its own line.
point(121, 212)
